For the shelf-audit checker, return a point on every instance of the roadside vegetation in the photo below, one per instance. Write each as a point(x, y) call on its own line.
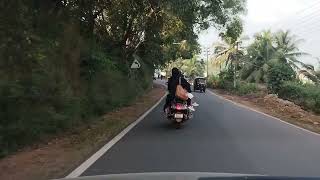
point(269, 64)
point(305, 95)
point(57, 157)
point(64, 62)
point(190, 67)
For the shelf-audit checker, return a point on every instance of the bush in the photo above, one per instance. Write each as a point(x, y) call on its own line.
point(226, 75)
point(307, 96)
point(226, 79)
point(244, 88)
point(212, 81)
point(279, 73)
point(53, 97)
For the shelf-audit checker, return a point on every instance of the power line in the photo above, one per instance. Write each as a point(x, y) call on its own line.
point(304, 19)
point(304, 30)
point(301, 24)
point(308, 8)
point(307, 33)
point(307, 26)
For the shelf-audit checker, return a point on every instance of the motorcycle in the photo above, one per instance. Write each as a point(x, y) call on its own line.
point(179, 112)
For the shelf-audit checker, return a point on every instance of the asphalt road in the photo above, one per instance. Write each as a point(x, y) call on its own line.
point(222, 137)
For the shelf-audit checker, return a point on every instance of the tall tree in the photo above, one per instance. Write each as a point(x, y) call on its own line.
point(287, 51)
point(81, 47)
point(256, 61)
point(193, 67)
point(317, 73)
point(270, 48)
point(228, 51)
point(189, 67)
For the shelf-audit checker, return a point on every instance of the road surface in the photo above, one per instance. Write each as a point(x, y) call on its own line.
point(222, 137)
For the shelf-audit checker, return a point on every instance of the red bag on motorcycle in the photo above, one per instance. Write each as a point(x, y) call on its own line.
point(181, 92)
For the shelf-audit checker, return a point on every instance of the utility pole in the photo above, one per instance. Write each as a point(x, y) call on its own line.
point(207, 50)
point(267, 51)
point(235, 66)
point(207, 55)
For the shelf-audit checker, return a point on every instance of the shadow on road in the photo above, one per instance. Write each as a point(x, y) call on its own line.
point(168, 126)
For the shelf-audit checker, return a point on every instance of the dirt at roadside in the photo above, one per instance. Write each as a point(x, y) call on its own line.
point(274, 106)
point(62, 154)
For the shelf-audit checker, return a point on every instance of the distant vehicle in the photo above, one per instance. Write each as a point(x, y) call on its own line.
point(199, 84)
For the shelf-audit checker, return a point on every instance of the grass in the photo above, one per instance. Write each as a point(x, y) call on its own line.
point(244, 88)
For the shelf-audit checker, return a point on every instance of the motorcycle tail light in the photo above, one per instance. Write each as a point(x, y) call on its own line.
point(180, 107)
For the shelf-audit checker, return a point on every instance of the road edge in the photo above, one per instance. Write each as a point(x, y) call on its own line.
point(93, 158)
point(270, 116)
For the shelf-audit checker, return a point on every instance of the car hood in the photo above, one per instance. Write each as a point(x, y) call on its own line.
point(165, 176)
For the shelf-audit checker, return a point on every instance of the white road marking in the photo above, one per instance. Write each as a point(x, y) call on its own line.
point(272, 117)
point(86, 164)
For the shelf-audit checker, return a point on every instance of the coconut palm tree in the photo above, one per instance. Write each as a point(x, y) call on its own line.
point(287, 50)
point(269, 48)
point(190, 67)
point(317, 72)
point(228, 51)
point(259, 53)
point(193, 67)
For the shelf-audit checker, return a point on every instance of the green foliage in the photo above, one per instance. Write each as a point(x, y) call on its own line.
point(270, 48)
point(229, 51)
point(226, 75)
point(244, 88)
point(279, 73)
point(63, 62)
point(307, 96)
point(226, 79)
point(193, 67)
point(213, 81)
point(233, 32)
point(317, 72)
point(189, 67)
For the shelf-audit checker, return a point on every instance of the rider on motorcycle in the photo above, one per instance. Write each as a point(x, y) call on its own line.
point(172, 86)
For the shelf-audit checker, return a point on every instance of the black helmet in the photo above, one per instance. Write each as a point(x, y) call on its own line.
point(175, 72)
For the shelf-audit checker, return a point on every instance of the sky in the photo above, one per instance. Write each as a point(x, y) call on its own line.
point(301, 17)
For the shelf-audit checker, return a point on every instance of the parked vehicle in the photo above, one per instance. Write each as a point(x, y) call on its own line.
point(199, 84)
point(179, 112)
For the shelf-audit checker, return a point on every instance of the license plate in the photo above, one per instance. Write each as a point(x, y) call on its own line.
point(180, 116)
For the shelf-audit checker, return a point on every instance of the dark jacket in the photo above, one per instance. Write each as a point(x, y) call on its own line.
point(172, 86)
point(174, 81)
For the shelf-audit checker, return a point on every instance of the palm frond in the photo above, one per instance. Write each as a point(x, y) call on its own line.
point(259, 75)
point(294, 66)
point(265, 67)
point(308, 66)
point(251, 77)
point(297, 54)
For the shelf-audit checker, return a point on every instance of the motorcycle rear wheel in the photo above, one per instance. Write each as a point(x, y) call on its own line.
point(178, 125)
